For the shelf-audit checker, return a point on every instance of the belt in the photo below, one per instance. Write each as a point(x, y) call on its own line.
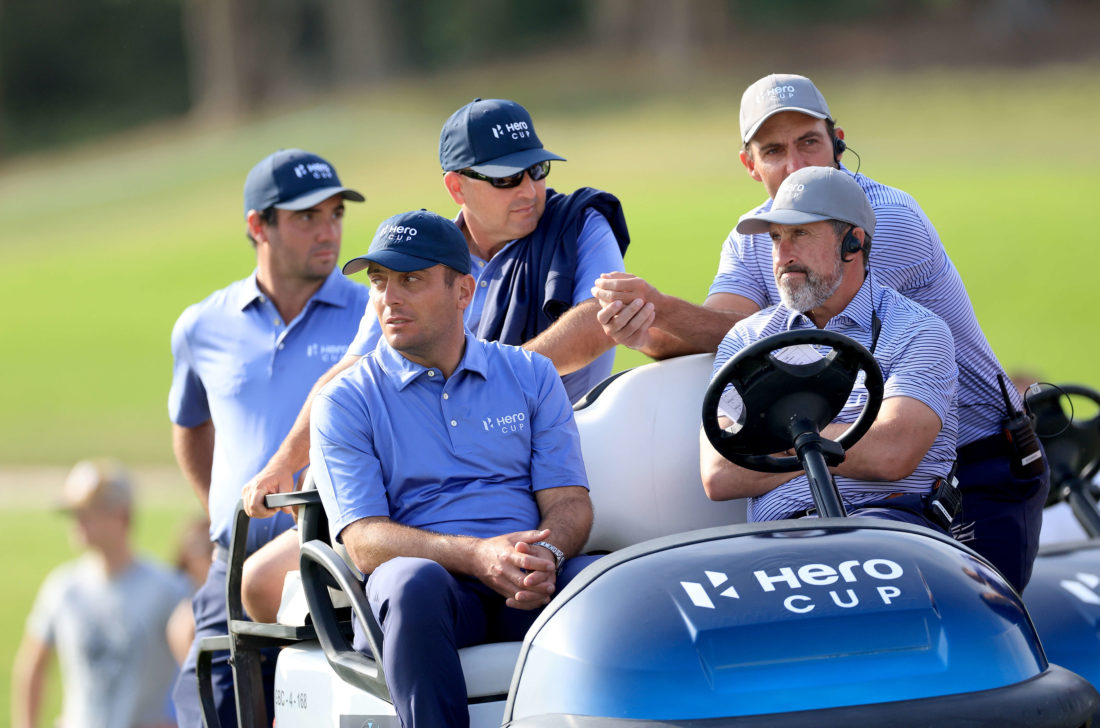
point(813, 511)
point(221, 553)
point(987, 448)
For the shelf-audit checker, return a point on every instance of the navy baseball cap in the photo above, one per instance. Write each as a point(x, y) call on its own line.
point(494, 137)
point(414, 241)
point(293, 179)
point(814, 194)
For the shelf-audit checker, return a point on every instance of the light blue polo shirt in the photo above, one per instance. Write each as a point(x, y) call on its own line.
point(906, 255)
point(916, 354)
point(238, 363)
point(597, 252)
point(463, 456)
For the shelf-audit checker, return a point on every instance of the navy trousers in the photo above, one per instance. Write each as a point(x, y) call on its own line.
point(1001, 514)
point(427, 614)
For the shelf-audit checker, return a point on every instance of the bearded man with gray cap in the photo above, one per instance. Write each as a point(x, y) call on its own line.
point(104, 615)
point(786, 125)
point(244, 361)
point(450, 468)
point(821, 225)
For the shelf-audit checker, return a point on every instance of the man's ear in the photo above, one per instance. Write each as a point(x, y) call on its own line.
point(466, 287)
point(453, 182)
point(256, 227)
point(750, 165)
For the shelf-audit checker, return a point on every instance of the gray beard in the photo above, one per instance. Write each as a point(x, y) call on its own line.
point(813, 291)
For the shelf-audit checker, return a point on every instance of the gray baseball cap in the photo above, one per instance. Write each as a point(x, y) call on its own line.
point(779, 92)
point(814, 194)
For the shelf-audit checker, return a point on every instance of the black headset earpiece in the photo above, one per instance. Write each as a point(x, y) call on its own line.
point(838, 146)
point(850, 245)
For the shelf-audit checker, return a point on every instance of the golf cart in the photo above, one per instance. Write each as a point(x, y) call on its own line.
point(1063, 596)
point(695, 617)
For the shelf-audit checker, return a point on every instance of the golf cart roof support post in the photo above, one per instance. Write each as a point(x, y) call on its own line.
point(247, 674)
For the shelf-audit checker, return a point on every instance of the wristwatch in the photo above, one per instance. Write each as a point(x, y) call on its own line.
point(559, 557)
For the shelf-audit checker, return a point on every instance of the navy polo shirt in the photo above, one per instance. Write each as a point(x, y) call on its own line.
point(236, 362)
point(461, 456)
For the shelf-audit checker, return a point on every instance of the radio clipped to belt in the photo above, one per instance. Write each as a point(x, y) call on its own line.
point(943, 504)
point(1023, 444)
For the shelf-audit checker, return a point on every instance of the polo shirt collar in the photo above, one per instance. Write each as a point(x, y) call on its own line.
point(858, 311)
point(403, 371)
point(335, 291)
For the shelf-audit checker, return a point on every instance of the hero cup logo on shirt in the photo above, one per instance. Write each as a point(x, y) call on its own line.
point(316, 170)
point(329, 353)
point(507, 424)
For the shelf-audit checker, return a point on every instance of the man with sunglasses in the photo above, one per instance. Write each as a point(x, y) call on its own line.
point(785, 126)
point(534, 253)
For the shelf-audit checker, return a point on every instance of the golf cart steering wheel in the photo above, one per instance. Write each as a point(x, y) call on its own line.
point(1072, 445)
point(781, 401)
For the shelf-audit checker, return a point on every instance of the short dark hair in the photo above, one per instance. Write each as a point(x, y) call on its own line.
point(268, 216)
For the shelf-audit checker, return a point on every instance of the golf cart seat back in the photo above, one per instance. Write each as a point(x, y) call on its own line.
point(639, 435)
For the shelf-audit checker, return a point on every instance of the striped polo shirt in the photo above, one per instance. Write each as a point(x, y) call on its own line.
point(906, 255)
point(916, 354)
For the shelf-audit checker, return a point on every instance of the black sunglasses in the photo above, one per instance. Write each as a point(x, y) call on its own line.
point(537, 172)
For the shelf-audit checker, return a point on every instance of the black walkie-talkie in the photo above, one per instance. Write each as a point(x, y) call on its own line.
point(1027, 456)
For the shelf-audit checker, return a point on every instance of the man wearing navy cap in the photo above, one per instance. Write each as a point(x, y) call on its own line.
point(450, 468)
point(820, 225)
point(244, 361)
point(786, 125)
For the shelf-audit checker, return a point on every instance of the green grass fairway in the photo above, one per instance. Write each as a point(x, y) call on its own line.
point(105, 246)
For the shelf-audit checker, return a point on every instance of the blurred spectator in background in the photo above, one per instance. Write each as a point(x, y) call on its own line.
point(104, 614)
point(193, 555)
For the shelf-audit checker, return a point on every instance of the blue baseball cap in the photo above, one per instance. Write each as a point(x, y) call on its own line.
point(494, 137)
point(415, 241)
point(293, 179)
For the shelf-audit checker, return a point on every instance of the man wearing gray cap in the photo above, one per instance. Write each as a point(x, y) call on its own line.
point(104, 615)
point(821, 226)
point(786, 125)
point(450, 468)
point(244, 360)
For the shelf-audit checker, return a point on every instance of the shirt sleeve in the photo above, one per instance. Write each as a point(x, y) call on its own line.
point(187, 402)
point(906, 253)
point(923, 367)
point(597, 252)
point(344, 463)
point(42, 620)
point(555, 441)
point(739, 268)
point(369, 333)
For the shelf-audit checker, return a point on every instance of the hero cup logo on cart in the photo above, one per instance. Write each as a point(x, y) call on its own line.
point(805, 588)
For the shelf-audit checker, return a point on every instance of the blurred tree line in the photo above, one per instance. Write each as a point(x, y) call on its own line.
point(71, 69)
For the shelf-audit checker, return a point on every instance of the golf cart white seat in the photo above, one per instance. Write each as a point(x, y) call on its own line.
point(640, 439)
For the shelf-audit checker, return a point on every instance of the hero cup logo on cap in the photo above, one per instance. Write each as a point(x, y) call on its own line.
point(397, 233)
point(316, 170)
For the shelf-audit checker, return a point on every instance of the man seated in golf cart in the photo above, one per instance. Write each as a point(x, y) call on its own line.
point(821, 225)
point(450, 468)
